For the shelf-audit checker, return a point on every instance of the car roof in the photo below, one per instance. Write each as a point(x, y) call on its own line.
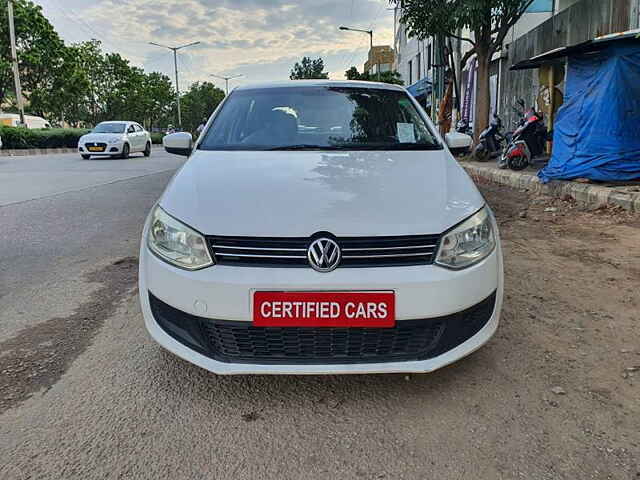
point(321, 83)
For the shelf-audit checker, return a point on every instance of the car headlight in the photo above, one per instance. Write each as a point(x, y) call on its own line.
point(469, 242)
point(176, 243)
point(111, 141)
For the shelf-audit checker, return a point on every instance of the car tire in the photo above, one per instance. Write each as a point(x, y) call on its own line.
point(147, 150)
point(125, 151)
point(86, 157)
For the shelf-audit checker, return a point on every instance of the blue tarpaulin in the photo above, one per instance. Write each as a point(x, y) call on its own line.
point(421, 88)
point(540, 6)
point(597, 129)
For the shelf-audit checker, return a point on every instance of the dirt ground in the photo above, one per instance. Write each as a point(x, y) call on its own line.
point(554, 395)
point(571, 330)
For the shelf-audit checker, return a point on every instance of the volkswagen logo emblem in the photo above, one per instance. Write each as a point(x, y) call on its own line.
point(324, 255)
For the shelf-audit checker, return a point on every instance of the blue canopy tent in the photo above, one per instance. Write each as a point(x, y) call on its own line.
point(597, 129)
point(421, 90)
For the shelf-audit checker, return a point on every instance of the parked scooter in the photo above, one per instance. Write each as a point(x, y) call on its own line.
point(491, 141)
point(527, 142)
point(463, 127)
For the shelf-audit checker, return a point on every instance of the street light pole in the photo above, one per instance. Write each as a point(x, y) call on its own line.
point(14, 61)
point(226, 80)
point(175, 64)
point(370, 33)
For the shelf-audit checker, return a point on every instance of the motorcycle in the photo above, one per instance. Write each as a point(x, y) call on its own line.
point(527, 142)
point(491, 141)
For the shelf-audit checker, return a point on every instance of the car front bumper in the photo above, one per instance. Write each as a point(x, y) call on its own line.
point(110, 149)
point(223, 294)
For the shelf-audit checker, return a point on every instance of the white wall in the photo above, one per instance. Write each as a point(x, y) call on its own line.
point(407, 49)
point(562, 4)
point(527, 22)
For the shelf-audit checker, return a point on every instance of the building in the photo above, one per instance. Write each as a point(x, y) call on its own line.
point(548, 24)
point(381, 59)
point(421, 63)
point(573, 22)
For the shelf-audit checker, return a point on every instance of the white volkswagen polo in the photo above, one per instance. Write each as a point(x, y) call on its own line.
point(320, 227)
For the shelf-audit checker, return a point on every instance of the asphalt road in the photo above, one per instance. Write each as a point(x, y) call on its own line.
point(60, 216)
point(85, 393)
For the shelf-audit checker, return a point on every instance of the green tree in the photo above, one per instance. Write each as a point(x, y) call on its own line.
point(158, 99)
point(308, 69)
point(85, 64)
point(66, 100)
point(198, 103)
point(79, 83)
point(40, 54)
point(489, 21)
point(390, 76)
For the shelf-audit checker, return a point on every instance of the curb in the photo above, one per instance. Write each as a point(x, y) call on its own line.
point(35, 151)
point(26, 152)
point(590, 196)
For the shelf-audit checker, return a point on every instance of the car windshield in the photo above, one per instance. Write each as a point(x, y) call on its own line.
point(322, 118)
point(109, 128)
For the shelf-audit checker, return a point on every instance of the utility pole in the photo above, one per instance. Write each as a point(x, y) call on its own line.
point(226, 80)
point(175, 64)
point(14, 61)
point(370, 33)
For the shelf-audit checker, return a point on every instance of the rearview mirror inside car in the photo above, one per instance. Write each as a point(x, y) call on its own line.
point(180, 143)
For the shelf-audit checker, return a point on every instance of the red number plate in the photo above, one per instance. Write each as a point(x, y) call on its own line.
point(324, 309)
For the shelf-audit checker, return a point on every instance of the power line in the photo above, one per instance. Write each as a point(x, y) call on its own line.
point(344, 55)
point(349, 64)
point(377, 17)
point(89, 30)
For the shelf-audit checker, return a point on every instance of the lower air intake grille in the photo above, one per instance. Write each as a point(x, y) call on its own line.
point(241, 342)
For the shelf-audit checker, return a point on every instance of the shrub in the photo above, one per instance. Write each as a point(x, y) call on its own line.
point(156, 138)
point(20, 137)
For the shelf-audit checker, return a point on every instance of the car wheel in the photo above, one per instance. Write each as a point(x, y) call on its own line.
point(147, 150)
point(125, 151)
point(86, 157)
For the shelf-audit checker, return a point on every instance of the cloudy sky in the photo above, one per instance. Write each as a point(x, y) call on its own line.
point(258, 38)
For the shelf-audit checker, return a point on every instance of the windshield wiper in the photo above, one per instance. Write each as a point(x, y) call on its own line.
point(394, 146)
point(305, 146)
point(412, 146)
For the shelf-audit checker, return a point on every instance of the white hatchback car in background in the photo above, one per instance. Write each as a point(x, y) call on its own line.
point(115, 139)
point(320, 227)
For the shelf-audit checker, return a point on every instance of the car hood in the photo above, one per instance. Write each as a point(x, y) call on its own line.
point(101, 137)
point(288, 193)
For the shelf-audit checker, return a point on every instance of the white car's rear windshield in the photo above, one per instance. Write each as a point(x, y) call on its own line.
point(323, 118)
point(109, 128)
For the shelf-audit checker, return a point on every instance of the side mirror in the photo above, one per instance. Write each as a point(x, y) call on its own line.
point(458, 141)
point(180, 143)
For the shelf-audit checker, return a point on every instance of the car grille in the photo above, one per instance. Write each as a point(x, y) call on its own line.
point(356, 251)
point(241, 342)
point(95, 147)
